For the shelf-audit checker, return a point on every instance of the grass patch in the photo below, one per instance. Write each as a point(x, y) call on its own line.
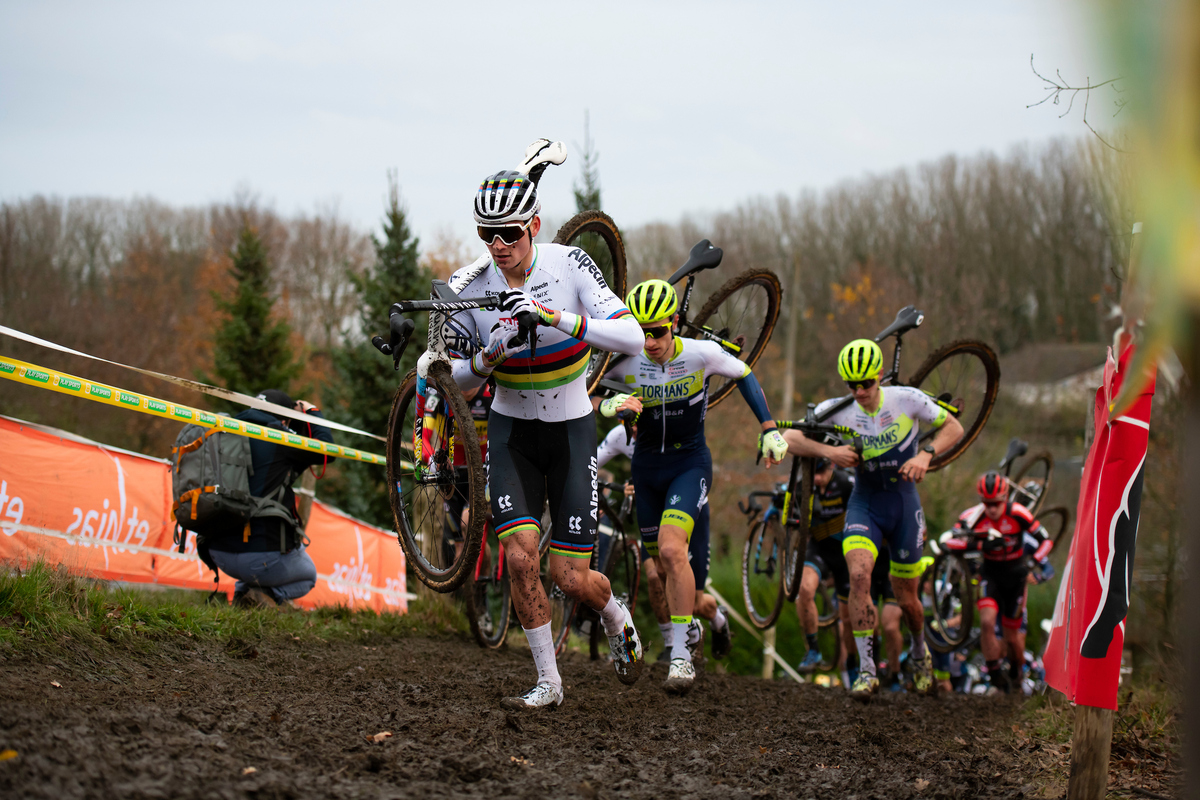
point(1145, 726)
point(43, 605)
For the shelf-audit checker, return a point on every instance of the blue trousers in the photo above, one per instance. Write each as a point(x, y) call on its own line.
point(287, 576)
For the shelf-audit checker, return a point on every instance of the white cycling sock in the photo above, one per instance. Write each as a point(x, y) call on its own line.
point(846, 678)
point(613, 616)
point(679, 640)
point(719, 621)
point(541, 644)
point(865, 642)
point(668, 633)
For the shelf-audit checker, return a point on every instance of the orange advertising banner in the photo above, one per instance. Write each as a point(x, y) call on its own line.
point(95, 510)
point(105, 512)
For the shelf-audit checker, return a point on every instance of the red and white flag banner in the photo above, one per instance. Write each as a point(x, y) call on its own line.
point(1083, 655)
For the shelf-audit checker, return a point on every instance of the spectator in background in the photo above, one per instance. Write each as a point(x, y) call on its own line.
point(268, 558)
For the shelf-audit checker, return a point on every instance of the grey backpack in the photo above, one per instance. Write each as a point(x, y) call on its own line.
point(210, 481)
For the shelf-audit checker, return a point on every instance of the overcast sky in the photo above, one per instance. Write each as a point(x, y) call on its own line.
point(694, 106)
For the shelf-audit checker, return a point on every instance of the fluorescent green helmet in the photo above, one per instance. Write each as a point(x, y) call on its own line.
point(652, 300)
point(861, 360)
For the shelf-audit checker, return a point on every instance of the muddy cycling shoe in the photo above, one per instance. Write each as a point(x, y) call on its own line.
point(255, 598)
point(626, 649)
point(722, 640)
point(665, 656)
point(923, 682)
point(541, 696)
point(680, 676)
point(864, 686)
point(812, 661)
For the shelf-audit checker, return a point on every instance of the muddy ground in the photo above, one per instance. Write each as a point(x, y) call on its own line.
point(188, 721)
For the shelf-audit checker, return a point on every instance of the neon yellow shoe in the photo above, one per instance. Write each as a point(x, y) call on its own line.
point(864, 686)
point(923, 682)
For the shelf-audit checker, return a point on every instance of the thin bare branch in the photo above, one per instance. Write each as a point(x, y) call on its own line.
point(1059, 86)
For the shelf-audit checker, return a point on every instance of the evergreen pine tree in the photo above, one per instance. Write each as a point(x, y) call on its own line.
point(252, 351)
point(587, 190)
point(587, 198)
point(367, 382)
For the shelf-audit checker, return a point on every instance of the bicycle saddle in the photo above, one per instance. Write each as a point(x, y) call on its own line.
point(908, 318)
point(541, 154)
point(442, 291)
point(1016, 449)
point(704, 255)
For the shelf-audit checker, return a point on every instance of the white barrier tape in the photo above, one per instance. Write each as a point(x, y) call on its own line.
point(214, 391)
point(43, 378)
point(768, 650)
point(122, 547)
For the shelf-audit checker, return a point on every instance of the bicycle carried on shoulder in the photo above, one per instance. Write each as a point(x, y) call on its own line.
point(420, 446)
point(954, 577)
point(773, 556)
point(961, 377)
point(740, 316)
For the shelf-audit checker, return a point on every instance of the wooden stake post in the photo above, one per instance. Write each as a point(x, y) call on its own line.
point(1090, 749)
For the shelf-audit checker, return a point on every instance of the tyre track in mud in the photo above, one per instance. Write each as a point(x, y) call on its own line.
point(186, 721)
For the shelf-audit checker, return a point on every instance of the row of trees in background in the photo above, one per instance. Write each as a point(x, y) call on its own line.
point(1021, 249)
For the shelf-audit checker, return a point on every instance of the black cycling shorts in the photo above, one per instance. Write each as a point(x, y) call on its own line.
point(699, 550)
point(827, 558)
point(1004, 590)
point(529, 462)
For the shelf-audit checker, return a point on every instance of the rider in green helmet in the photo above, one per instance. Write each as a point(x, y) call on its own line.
point(672, 467)
point(884, 505)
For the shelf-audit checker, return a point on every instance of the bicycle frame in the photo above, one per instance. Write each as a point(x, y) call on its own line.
point(498, 574)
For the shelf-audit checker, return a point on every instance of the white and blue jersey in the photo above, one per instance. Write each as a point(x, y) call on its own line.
point(884, 506)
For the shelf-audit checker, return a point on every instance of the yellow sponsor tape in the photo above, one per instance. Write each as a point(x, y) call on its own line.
point(33, 375)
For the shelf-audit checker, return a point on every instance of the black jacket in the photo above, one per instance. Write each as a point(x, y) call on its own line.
point(273, 465)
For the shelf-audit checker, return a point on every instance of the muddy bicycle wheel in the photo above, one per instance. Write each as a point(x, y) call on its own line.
point(1056, 520)
point(951, 583)
point(742, 313)
point(827, 604)
point(762, 573)
point(426, 492)
point(597, 235)
point(966, 375)
point(489, 597)
point(1032, 483)
point(798, 528)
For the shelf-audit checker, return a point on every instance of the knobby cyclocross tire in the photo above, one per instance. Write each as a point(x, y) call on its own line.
point(952, 603)
point(1034, 481)
point(827, 605)
point(489, 599)
point(970, 373)
point(1056, 520)
point(417, 500)
point(745, 311)
point(828, 614)
point(762, 573)
point(798, 530)
point(598, 236)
